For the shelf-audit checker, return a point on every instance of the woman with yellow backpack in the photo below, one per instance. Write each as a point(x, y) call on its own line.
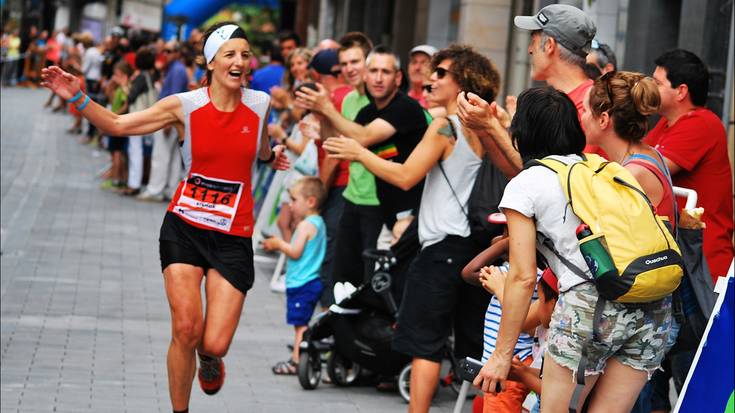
point(612, 317)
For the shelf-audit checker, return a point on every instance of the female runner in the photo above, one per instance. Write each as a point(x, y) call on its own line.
point(208, 227)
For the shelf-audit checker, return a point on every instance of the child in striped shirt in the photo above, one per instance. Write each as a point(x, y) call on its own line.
point(492, 278)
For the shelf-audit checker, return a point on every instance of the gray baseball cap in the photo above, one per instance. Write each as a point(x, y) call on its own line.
point(569, 25)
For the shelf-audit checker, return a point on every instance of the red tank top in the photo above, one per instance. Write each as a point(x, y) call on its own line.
point(219, 152)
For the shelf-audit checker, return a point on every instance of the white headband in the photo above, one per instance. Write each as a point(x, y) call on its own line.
point(216, 39)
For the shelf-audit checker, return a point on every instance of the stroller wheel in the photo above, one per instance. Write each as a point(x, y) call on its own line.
point(310, 370)
point(404, 383)
point(342, 371)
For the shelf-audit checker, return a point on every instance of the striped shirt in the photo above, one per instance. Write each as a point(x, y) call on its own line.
point(524, 346)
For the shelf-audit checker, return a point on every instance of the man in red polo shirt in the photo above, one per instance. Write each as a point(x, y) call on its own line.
point(692, 140)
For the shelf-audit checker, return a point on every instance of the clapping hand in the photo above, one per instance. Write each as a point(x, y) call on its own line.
point(493, 280)
point(343, 148)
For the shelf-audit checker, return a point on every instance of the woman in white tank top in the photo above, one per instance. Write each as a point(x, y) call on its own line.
point(435, 294)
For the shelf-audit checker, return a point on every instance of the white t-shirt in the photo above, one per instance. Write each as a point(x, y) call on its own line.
point(537, 193)
point(92, 63)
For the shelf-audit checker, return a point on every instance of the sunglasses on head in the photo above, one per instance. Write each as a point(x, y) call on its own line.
point(441, 72)
point(427, 88)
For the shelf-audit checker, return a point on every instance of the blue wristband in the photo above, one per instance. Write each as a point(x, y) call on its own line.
point(84, 104)
point(76, 97)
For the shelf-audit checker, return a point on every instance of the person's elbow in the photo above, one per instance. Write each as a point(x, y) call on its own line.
point(406, 185)
point(523, 278)
point(470, 277)
point(406, 182)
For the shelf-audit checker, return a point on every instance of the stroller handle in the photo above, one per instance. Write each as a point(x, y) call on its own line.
point(690, 194)
point(376, 254)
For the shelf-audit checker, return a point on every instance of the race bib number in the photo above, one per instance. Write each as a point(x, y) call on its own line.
point(209, 201)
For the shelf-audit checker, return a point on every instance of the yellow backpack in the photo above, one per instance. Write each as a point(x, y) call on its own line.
point(606, 197)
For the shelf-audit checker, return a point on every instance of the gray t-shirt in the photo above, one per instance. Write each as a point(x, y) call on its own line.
point(537, 193)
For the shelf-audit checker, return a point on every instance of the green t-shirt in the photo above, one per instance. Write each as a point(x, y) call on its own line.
point(360, 188)
point(118, 99)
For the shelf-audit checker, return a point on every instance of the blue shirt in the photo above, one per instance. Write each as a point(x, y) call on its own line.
point(267, 77)
point(306, 268)
point(175, 81)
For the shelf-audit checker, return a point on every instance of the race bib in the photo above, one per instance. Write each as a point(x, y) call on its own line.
point(209, 201)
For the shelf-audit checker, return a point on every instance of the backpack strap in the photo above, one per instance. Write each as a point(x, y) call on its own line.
point(454, 194)
point(546, 242)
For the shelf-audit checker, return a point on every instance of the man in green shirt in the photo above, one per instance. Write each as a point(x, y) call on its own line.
point(362, 220)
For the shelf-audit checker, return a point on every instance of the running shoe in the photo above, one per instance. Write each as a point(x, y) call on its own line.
point(211, 374)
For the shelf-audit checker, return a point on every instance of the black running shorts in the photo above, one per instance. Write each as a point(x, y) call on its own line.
point(230, 255)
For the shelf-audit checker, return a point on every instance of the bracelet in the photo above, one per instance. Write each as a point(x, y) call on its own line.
point(76, 97)
point(271, 158)
point(84, 104)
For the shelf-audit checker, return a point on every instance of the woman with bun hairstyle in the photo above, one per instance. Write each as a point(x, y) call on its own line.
point(615, 117)
point(209, 224)
point(629, 343)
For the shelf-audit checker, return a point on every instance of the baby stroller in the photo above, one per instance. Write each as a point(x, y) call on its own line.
point(357, 331)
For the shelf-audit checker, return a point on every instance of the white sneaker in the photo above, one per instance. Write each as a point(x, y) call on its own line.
point(147, 196)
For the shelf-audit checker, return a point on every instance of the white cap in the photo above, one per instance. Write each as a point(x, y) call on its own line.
point(216, 39)
point(425, 49)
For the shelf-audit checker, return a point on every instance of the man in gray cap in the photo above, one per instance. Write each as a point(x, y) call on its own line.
point(419, 70)
point(561, 38)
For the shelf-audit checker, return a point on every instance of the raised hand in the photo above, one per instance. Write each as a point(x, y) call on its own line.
point(309, 127)
point(511, 102)
point(315, 100)
point(60, 82)
point(281, 162)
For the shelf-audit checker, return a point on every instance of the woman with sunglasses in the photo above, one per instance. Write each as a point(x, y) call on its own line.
point(208, 227)
point(436, 299)
point(615, 114)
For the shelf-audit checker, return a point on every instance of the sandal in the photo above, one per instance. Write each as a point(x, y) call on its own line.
point(287, 368)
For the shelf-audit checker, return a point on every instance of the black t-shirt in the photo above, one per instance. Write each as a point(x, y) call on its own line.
point(111, 59)
point(409, 121)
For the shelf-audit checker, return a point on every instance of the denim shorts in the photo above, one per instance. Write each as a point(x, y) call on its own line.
point(635, 335)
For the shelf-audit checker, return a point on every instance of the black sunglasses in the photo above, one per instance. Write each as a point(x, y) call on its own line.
point(427, 88)
point(606, 78)
point(441, 72)
point(167, 51)
point(336, 73)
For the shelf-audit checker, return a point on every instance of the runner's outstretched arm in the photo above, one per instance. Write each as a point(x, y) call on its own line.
point(165, 112)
